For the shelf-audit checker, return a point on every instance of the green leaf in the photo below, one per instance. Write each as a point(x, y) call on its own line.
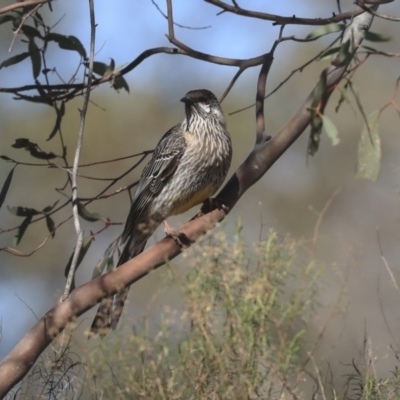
point(50, 225)
point(376, 37)
point(14, 59)
point(104, 262)
point(325, 30)
point(344, 55)
point(85, 247)
point(60, 113)
point(22, 211)
point(35, 58)
point(86, 215)
point(315, 134)
point(30, 31)
point(78, 46)
point(6, 186)
point(330, 130)
point(319, 90)
point(329, 52)
point(67, 43)
point(7, 17)
point(120, 83)
point(99, 68)
point(369, 149)
point(22, 229)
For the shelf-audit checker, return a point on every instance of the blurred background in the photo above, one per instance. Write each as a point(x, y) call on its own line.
point(287, 198)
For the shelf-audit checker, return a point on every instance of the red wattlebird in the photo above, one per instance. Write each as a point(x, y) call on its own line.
point(188, 165)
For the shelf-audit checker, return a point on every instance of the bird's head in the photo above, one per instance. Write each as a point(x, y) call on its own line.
point(202, 103)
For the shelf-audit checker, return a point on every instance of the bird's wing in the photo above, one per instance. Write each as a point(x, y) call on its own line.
point(156, 174)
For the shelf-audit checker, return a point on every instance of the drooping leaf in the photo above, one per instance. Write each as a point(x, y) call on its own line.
point(319, 90)
point(22, 211)
point(14, 59)
point(99, 68)
point(369, 149)
point(100, 266)
point(35, 58)
point(325, 30)
point(60, 113)
point(78, 46)
point(85, 247)
point(6, 186)
point(120, 83)
point(86, 215)
point(7, 17)
point(50, 225)
point(315, 134)
point(343, 97)
point(344, 55)
point(30, 31)
point(330, 52)
point(330, 130)
point(376, 37)
point(67, 43)
point(22, 229)
point(104, 262)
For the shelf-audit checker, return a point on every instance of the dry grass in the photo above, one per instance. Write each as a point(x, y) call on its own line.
point(241, 336)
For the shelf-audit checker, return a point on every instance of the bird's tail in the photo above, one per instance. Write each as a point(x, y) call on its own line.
point(110, 308)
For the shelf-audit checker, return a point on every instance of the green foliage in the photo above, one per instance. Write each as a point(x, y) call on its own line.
point(240, 334)
point(369, 149)
point(325, 30)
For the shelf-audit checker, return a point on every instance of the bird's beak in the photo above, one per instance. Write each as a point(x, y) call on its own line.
point(188, 107)
point(185, 100)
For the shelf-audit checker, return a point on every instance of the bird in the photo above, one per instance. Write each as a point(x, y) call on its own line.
point(188, 165)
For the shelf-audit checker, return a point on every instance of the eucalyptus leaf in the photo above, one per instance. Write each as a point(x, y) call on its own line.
point(6, 186)
point(86, 215)
point(369, 149)
point(330, 130)
point(325, 30)
point(35, 58)
point(14, 59)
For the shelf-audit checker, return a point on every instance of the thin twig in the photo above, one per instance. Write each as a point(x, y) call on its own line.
point(77, 224)
point(376, 14)
point(385, 263)
point(281, 20)
point(175, 23)
point(21, 4)
point(22, 23)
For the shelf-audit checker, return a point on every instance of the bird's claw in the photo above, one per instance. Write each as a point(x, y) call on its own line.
point(213, 203)
point(179, 237)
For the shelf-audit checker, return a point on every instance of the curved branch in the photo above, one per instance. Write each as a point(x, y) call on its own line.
point(280, 20)
point(27, 3)
point(16, 365)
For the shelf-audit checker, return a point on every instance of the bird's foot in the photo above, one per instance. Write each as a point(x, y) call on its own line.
point(179, 237)
point(213, 203)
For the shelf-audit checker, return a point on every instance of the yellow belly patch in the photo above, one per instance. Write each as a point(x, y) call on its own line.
point(196, 199)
